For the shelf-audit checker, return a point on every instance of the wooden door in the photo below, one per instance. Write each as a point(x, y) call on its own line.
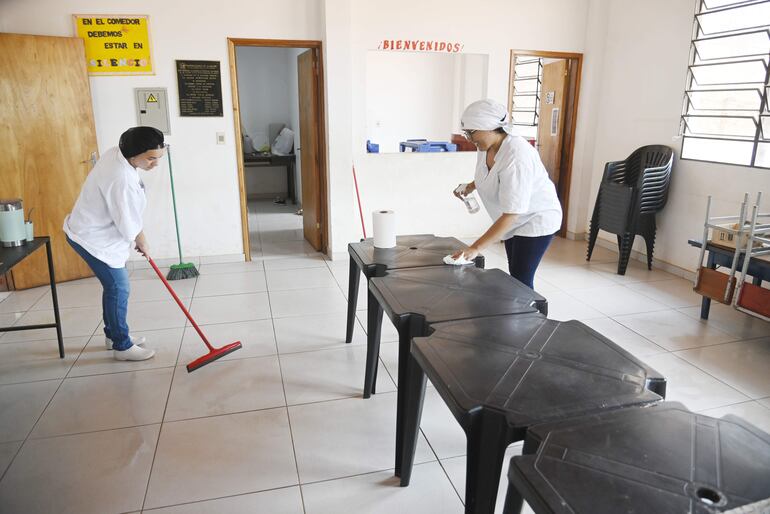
point(550, 129)
point(48, 136)
point(307, 71)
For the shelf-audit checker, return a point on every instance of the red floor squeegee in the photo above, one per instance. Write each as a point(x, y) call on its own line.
point(214, 353)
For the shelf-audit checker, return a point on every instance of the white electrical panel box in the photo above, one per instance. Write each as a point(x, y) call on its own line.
point(152, 108)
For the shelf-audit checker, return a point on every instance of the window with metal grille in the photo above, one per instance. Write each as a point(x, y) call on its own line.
point(525, 93)
point(725, 117)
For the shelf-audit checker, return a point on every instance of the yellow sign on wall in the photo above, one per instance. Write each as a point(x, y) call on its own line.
point(115, 44)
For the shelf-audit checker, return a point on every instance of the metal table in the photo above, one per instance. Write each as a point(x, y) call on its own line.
point(659, 459)
point(412, 251)
point(416, 298)
point(759, 269)
point(10, 257)
point(501, 375)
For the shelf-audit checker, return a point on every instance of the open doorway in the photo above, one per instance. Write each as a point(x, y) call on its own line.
point(542, 99)
point(277, 89)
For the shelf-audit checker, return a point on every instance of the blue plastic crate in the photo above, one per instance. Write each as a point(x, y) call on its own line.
point(423, 145)
point(372, 147)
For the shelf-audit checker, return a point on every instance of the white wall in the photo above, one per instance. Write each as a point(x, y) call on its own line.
point(644, 66)
point(420, 187)
point(205, 173)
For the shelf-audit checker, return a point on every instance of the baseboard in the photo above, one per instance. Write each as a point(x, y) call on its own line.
point(656, 263)
point(196, 260)
point(577, 236)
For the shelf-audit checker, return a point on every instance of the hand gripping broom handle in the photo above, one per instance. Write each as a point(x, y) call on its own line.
point(173, 200)
point(181, 305)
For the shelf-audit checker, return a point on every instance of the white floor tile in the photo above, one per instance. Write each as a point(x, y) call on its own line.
point(307, 278)
point(564, 307)
point(625, 337)
point(71, 294)
point(231, 267)
point(617, 300)
point(635, 272)
point(673, 330)
point(104, 402)
point(308, 302)
point(143, 316)
point(7, 452)
point(730, 320)
point(230, 309)
point(441, 429)
point(753, 412)
point(22, 405)
point(95, 359)
point(20, 301)
point(347, 437)
point(209, 458)
point(389, 358)
point(155, 290)
point(278, 501)
point(744, 365)
point(225, 387)
point(308, 333)
point(687, 384)
point(388, 332)
point(429, 492)
point(256, 337)
point(673, 293)
point(81, 474)
point(292, 262)
point(37, 360)
point(75, 322)
point(575, 277)
point(230, 283)
point(328, 375)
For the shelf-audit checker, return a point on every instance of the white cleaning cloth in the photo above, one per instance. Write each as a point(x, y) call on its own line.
point(456, 262)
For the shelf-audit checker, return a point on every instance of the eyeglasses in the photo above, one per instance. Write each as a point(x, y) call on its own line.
point(468, 134)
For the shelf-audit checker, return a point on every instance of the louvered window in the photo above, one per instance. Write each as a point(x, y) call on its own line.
point(725, 115)
point(525, 94)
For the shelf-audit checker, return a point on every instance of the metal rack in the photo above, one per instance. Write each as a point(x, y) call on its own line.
point(751, 239)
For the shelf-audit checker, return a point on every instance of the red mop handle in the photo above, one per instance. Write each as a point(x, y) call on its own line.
point(358, 196)
point(179, 302)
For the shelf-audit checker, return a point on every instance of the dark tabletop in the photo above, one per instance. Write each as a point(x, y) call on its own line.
point(10, 257)
point(659, 459)
point(449, 293)
point(532, 368)
point(410, 251)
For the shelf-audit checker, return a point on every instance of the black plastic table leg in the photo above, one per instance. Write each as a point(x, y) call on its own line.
point(705, 304)
point(373, 328)
point(414, 400)
point(513, 501)
point(487, 441)
point(54, 297)
point(353, 281)
point(404, 342)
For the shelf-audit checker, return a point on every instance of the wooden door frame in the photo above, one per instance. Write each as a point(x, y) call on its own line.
point(316, 46)
point(570, 122)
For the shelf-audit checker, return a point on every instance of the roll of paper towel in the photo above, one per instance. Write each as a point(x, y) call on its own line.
point(384, 229)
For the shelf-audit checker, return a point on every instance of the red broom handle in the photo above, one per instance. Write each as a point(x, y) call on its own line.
point(179, 302)
point(358, 196)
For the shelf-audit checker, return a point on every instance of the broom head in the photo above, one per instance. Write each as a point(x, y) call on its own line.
point(214, 354)
point(182, 270)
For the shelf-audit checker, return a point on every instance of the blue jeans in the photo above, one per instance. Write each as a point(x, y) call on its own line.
point(116, 288)
point(524, 254)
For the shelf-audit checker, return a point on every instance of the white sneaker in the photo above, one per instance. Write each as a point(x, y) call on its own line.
point(134, 353)
point(136, 341)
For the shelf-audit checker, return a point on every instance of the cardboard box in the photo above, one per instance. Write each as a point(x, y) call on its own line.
point(726, 239)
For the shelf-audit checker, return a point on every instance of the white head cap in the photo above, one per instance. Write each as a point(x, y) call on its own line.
point(485, 115)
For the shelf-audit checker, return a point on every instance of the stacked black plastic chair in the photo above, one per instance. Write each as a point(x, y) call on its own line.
point(630, 194)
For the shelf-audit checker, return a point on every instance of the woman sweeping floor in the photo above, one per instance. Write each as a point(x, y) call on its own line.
point(106, 223)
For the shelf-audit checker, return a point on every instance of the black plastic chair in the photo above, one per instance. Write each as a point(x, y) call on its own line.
point(630, 194)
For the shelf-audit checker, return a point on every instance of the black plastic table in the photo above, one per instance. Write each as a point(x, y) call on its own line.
point(414, 251)
point(10, 257)
point(759, 269)
point(501, 375)
point(416, 298)
point(659, 460)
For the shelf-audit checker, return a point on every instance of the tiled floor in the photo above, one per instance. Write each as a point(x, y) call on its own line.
point(279, 426)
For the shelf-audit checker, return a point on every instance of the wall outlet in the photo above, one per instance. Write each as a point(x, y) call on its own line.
point(220, 138)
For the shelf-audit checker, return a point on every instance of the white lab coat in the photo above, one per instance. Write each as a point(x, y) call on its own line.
point(107, 216)
point(518, 183)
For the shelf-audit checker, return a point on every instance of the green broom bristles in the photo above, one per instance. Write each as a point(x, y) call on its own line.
point(181, 271)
